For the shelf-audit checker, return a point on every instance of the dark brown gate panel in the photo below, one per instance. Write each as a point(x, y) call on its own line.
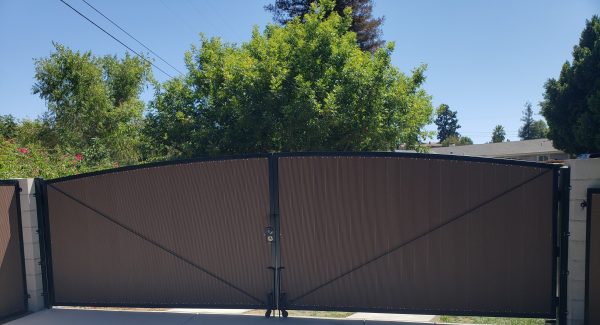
point(188, 234)
point(592, 290)
point(420, 235)
point(13, 292)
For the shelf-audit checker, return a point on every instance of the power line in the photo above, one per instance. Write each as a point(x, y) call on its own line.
point(135, 39)
point(116, 39)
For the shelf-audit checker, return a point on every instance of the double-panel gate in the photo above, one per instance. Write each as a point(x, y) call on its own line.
point(13, 290)
point(379, 232)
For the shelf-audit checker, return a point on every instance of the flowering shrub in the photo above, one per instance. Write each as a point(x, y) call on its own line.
point(35, 161)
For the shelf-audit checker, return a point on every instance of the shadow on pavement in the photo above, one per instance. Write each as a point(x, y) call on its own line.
point(93, 317)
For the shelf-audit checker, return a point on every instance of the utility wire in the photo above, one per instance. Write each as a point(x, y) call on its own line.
point(128, 34)
point(116, 39)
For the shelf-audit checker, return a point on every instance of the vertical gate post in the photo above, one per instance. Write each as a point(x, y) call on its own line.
point(275, 243)
point(563, 229)
point(41, 197)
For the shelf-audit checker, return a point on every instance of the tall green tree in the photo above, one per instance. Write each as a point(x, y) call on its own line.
point(447, 123)
point(531, 129)
point(93, 102)
point(302, 86)
point(539, 129)
point(571, 104)
point(366, 27)
point(8, 127)
point(498, 135)
point(456, 140)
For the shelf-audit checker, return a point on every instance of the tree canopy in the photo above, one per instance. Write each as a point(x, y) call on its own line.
point(456, 140)
point(8, 127)
point(571, 104)
point(93, 102)
point(532, 129)
point(498, 134)
point(302, 86)
point(366, 27)
point(447, 122)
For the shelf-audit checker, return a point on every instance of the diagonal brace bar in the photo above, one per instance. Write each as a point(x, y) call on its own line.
point(165, 249)
point(436, 228)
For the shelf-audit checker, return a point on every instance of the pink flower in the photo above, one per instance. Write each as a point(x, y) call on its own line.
point(23, 150)
point(78, 157)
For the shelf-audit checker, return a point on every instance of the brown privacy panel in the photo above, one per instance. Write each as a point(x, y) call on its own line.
point(592, 303)
point(187, 234)
point(13, 298)
point(344, 220)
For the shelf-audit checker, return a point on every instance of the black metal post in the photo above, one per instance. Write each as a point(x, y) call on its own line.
point(563, 228)
point(18, 191)
point(41, 198)
point(274, 224)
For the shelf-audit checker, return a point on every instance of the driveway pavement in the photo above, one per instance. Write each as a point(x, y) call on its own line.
point(96, 317)
point(393, 317)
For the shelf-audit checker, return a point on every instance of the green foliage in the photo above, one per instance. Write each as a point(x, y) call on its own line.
point(36, 132)
point(456, 140)
point(92, 101)
point(35, 161)
point(8, 127)
point(531, 129)
point(302, 86)
point(572, 103)
point(498, 135)
point(492, 320)
point(447, 123)
point(366, 27)
point(539, 129)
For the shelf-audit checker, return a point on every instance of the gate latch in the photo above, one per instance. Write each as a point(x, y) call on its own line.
point(270, 234)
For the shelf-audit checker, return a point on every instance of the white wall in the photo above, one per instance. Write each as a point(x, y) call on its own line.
point(584, 174)
point(31, 244)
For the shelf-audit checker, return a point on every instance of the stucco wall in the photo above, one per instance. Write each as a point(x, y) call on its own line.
point(31, 246)
point(584, 174)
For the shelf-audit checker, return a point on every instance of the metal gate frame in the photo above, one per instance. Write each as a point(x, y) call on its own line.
point(589, 206)
point(15, 183)
point(45, 237)
point(277, 298)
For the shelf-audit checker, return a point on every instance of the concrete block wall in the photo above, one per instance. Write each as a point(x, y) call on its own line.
point(584, 174)
point(31, 244)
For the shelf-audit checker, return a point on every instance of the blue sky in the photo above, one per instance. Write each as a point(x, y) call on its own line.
point(485, 58)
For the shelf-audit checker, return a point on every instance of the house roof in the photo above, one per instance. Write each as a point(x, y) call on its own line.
point(501, 149)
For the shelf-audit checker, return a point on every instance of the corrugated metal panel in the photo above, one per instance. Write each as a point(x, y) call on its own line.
point(210, 213)
point(12, 286)
point(341, 215)
point(593, 260)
